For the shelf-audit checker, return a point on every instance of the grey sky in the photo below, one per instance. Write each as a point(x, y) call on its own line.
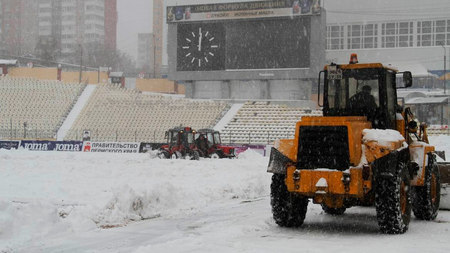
point(135, 16)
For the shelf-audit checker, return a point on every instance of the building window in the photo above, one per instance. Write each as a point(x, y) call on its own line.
point(354, 37)
point(362, 36)
point(424, 33)
point(440, 32)
point(370, 38)
point(335, 37)
point(399, 34)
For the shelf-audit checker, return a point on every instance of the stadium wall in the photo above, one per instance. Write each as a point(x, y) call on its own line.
point(89, 77)
point(159, 85)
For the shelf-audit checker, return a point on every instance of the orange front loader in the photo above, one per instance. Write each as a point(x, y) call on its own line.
point(364, 150)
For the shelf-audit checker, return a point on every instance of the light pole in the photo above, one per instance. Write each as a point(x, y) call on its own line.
point(445, 67)
point(154, 55)
point(81, 63)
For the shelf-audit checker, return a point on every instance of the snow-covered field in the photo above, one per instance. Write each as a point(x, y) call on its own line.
point(92, 202)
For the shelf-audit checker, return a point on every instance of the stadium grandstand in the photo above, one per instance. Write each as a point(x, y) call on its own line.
point(31, 108)
point(119, 114)
point(39, 109)
point(263, 122)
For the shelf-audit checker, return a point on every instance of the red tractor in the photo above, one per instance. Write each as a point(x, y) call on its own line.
point(180, 144)
point(209, 144)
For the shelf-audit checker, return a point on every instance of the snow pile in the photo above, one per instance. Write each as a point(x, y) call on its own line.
point(383, 136)
point(56, 192)
point(250, 154)
point(441, 143)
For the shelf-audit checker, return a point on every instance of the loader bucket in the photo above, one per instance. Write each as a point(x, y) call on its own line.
point(278, 162)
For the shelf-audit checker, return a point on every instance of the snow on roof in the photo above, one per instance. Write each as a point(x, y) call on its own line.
point(8, 62)
point(116, 74)
point(408, 94)
point(426, 100)
point(419, 92)
point(417, 69)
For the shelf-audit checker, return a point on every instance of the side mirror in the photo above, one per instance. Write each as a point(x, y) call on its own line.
point(407, 79)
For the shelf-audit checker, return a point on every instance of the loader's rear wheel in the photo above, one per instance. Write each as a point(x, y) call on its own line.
point(333, 211)
point(426, 198)
point(393, 202)
point(288, 209)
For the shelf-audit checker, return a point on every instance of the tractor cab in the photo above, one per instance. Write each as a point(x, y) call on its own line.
point(362, 90)
point(180, 136)
point(212, 146)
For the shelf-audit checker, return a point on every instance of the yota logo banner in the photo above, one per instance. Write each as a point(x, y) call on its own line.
point(52, 145)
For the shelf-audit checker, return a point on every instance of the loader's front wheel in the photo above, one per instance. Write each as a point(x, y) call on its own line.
point(393, 202)
point(426, 198)
point(288, 209)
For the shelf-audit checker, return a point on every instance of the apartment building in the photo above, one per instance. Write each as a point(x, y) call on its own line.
point(18, 29)
point(145, 54)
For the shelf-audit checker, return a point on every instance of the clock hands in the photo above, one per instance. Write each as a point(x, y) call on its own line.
point(206, 51)
point(200, 39)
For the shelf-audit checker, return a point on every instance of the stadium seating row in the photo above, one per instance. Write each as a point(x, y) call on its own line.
point(263, 122)
point(34, 107)
point(114, 113)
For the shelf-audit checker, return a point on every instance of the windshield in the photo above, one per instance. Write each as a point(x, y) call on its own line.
point(173, 138)
point(356, 94)
point(190, 138)
point(357, 88)
point(350, 92)
point(362, 92)
point(217, 138)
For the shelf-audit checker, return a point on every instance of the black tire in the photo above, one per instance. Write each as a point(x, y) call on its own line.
point(288, 209)
point(426, 198)
point(195, 155)
point(162, 154)
point(215, 155)
point(393, 202)
point(176, 155)
point(333, 211)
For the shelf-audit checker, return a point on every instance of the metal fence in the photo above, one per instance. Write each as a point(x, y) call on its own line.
point(24, 133)
point(156, 136)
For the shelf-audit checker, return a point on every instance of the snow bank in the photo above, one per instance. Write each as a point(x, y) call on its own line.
point(441, 143)
point(55, 192)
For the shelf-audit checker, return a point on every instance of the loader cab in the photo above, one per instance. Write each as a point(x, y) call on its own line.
point(361, 90)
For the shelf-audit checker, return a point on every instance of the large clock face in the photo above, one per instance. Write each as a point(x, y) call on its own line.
point(200, 47)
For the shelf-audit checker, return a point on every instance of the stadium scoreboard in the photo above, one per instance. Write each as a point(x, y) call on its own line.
point(244, 40)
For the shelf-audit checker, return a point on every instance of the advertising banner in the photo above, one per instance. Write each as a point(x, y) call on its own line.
point(9, 145)
point(52, 145)
point(239, 10)
point(111, 147)
point(68, 146)
point(258, 148)
point(38, 145)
